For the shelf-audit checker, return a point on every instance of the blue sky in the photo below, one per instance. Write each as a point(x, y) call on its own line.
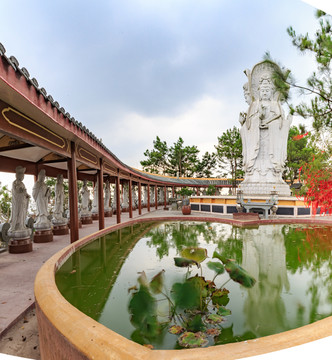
point(130, 70)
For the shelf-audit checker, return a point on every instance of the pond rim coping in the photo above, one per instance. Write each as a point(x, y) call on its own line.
point(88, 339)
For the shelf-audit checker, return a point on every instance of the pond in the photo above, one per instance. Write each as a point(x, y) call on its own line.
point(291, 265)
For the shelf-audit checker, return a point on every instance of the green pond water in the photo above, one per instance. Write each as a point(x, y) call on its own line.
point(291, 263)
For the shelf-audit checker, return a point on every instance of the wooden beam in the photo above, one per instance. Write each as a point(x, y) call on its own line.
point(73, 196)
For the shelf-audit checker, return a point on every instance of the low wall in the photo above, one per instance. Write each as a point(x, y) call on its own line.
point(67, 333)
point(226, 205)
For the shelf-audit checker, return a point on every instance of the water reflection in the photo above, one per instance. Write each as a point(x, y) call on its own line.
point(264, 256)
point(292, 266)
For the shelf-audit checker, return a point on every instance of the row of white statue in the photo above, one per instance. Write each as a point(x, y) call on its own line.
point(41, 194)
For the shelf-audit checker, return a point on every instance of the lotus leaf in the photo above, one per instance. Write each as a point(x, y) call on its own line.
point(157, 282)
point(183, 262)
point(176, 329)
point(194, 253)
point(196, 324)
point(214, 319)
point(220, 297)
point(223, 311)
point(238, 274)
point(193, 340)
point(217, 267)
point(213, 332)
point(186, 295)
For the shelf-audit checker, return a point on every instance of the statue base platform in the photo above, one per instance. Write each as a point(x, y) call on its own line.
point(108, 213)
point(60, 229)
point(20, 246)
point(43, 236)
point(264, 189)
point(95, 216)
point(79, 223)
point(246, 216)
point(86, 220)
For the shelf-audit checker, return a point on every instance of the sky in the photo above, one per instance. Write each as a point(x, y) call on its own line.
point(132, 70)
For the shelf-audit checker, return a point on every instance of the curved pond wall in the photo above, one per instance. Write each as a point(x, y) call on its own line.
point(67, 333)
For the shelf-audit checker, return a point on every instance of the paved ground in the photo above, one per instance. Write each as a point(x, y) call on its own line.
point(18, 271)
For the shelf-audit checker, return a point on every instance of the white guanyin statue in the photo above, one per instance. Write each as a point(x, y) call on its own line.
point(59, 201)
point(41, 194)
point(95, 199)
point(107, 196)
point(85, 197)
point(264, 134)
point(20, 203)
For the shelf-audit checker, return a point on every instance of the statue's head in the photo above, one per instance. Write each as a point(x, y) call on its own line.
point(20, 170)
point(41, 175)
point(59, 178)
point(246, 92)
point(265, 88)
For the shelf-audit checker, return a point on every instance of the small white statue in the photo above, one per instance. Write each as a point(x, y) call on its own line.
point(20, 203)
point(41, 194)
point(107, 196)
point(85, 196)
point(95, 199)
point(59, 200)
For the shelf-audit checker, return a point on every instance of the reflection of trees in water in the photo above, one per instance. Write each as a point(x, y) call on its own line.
point(309, 248)
point(228, 239)
point(179, 235)
point(268, 254)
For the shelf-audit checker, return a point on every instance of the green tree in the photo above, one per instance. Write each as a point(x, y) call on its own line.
point(319, 84)
point(182, 160)
point(5, 203)
point(156, 161)
point(229, 154)
point(299, 151)
point(205, 167)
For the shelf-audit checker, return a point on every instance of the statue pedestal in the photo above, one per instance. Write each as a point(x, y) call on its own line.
point(108, 213)
point(20, 246)
point(43, 235)
point(264, 189)
point(60, 229)
point(86, 219)
point(95, 216)
point(20, 241)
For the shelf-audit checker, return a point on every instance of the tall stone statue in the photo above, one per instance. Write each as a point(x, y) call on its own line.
point(264, 134)
point(95, 201)
point(85, 213)
point(59, 200)
point(107, 198)
point(85, 196)
point(41, 194)
point(20, 203)
point(18, 233)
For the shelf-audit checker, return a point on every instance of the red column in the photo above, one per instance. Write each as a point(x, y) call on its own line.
point(101, 196)
point(148, 204)
point(73, 197)
point(130, 199)
point(156, 197)
point(139, 198)
point(118, 208)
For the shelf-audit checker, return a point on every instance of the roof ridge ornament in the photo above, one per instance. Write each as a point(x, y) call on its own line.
point(25, 73)
point(2, 50)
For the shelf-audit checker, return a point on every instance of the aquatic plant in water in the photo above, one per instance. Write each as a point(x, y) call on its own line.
point(196, 307)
